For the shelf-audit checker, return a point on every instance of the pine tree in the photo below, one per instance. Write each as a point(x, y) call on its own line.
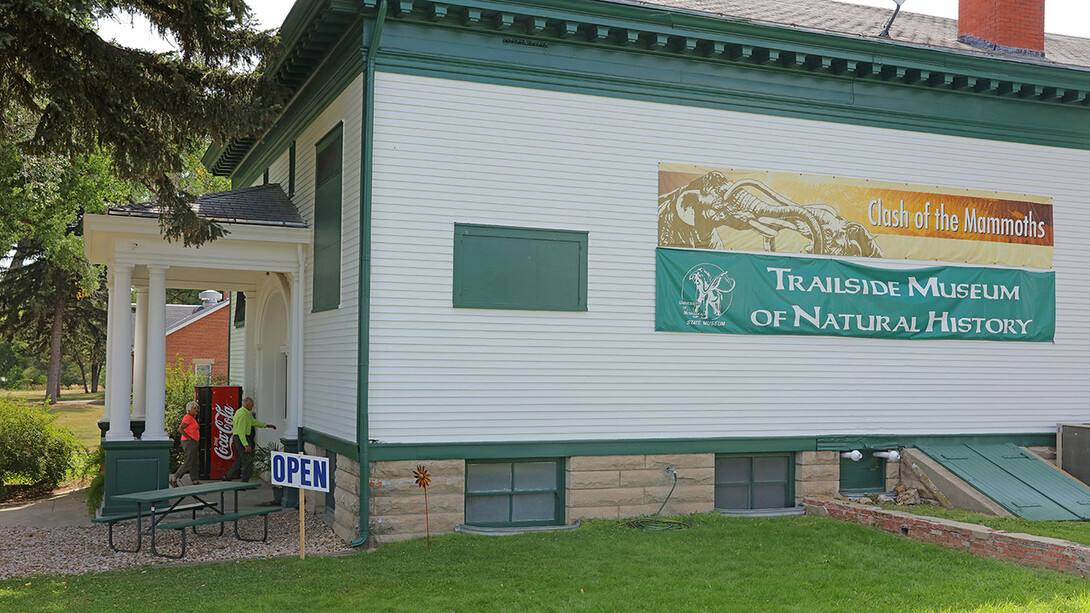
point(146, 110)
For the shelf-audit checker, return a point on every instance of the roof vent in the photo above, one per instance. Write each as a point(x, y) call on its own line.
point(210, 297)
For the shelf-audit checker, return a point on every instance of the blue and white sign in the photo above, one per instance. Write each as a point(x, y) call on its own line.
point(300, 471)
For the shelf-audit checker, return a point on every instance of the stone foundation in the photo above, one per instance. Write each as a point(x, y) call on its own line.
point(397, 503)
point(346, 495)
point(817, 473)
point(614, 487)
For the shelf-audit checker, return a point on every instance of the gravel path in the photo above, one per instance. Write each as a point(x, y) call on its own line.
point(83, 549)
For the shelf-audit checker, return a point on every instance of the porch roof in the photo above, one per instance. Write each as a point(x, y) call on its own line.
point(260, 205)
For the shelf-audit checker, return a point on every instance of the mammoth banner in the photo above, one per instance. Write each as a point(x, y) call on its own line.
point(740, 293)
point(744, 210)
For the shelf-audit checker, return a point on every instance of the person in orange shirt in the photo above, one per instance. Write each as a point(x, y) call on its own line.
point(190, 435)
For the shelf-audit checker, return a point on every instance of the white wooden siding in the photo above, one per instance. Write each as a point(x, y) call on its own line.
point(331, 338)
point(449, 151)
point(236, 347)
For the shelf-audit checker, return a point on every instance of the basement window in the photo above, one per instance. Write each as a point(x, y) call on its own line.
point(747, 482)
point(510, 493)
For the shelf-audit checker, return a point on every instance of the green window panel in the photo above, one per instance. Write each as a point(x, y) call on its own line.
point(511, 493)
point(291, 170)
point(327, 222)
point(240, 310)
point(763, 481)
point(866, 476)
point(498, 267)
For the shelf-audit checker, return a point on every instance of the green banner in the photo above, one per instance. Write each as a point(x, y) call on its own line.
point(738, 293)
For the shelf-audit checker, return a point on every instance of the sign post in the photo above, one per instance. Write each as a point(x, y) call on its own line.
point(304, 473)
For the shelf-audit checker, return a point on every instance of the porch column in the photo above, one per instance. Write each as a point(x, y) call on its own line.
point(109, 340)
point(155, 393)
point(119, 377)
point(139, 354)
point(295, 351)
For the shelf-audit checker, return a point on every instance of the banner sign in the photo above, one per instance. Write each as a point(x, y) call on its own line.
point(745, 210)
point(736, 293)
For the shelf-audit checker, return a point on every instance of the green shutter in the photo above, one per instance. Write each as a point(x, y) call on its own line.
point(327, 222)
point(519, 268)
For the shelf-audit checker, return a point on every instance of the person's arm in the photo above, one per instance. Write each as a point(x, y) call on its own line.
point(244, 418)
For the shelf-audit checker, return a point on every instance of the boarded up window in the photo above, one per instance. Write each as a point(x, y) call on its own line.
point(327, 222)
point(498, 267)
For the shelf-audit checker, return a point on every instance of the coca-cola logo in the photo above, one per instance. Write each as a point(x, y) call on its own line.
point(224, 419)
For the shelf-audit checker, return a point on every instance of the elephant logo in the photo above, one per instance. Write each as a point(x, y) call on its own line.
point(706, 292)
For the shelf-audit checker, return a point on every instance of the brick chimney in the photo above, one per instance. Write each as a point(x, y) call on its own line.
point(1014, 26)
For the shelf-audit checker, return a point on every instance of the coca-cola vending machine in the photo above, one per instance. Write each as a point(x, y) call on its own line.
point(216, 419)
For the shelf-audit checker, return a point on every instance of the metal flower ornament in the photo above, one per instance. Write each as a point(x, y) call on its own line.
point(423, 479)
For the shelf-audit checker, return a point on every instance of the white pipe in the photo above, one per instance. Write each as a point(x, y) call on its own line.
point(892, 455)
point(854, 455)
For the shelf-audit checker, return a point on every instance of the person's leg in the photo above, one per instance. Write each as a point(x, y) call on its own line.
point(186, 461)
point(191, 460)
point(237, 446)
point(248, 465)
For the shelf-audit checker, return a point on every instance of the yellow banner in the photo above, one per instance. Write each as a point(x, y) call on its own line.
point(746, 210)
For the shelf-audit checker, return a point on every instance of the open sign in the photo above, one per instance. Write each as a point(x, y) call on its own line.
point(300, 471)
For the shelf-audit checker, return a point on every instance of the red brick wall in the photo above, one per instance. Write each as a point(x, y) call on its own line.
point(204, 339)
point(1041, 551)
point(1019, 24)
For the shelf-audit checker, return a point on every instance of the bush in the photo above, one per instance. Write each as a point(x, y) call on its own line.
point(33, 448)
point(179, 391)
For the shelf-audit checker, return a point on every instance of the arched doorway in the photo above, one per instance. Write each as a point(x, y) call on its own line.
point(271, 391)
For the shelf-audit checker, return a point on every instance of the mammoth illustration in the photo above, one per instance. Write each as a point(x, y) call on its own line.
point(689, 216)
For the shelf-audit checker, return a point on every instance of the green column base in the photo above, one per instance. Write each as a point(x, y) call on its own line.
point(135, 425)
point(291, 494)
point(133, 466)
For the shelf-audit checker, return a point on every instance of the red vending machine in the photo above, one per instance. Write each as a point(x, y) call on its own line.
point(216, 419)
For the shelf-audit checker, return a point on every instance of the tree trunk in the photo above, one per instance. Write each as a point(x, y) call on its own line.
point(82, 374)
point(53, 379)
point(96, 372)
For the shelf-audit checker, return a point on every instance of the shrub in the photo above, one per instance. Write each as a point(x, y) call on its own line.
point(33, 447)
point(179, 391)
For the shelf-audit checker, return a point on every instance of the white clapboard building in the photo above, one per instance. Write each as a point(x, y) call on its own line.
point(562, 253)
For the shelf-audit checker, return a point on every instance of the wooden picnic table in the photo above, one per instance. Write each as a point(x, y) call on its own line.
point(162, 502)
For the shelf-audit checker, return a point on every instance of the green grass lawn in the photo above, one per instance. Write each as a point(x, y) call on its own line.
point(723, 564)
point(68, 393)
point(1076, 531)
point(82, 419)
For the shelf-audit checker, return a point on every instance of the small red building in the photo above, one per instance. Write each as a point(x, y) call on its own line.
point(197, 336)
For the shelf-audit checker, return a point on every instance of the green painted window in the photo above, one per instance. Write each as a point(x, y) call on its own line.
point(498, 267)
point(240, 310)
point(866, 476)
point(291, 170)
point(514, 492)
point(762, 481)
point(327, 222)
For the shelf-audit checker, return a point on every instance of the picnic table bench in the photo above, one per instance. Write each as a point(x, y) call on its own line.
point(159, 503)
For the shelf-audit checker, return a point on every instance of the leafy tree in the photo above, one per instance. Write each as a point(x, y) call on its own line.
point(145, 111)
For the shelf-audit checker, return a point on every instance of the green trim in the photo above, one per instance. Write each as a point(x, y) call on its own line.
point(502, 267)
point(363, 351)
point(328, 441)
point(880, 442)
point(328, 206)
point(385, 452)
point(336, 73)
point(648, 35)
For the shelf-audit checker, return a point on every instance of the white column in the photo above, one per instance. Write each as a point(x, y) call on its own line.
point(110, 306)
point(155, 394)
point(119, 373)
point(139, 354)
point(295, 351)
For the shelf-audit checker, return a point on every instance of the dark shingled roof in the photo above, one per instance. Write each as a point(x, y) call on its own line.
point(265, 205)
point(867, 22)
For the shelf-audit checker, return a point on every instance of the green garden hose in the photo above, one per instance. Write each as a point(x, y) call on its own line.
point(654, 522)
